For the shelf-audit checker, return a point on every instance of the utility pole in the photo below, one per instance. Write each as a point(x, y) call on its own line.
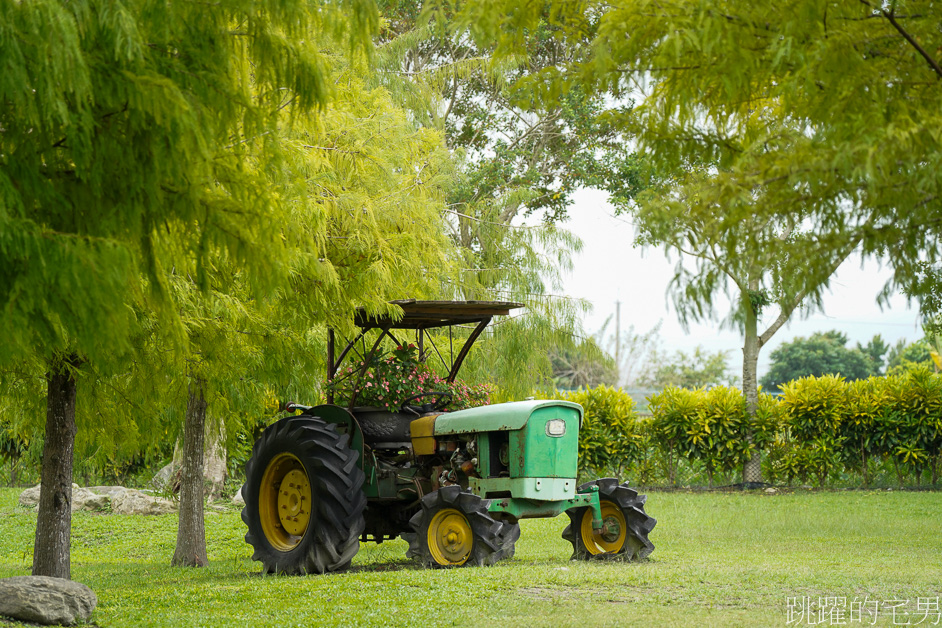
point(618, 337)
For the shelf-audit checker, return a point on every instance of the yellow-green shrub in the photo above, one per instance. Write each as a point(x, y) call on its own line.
point(868, 406)
point(817, 427)
point(710, 426)
point(814, 409)
point(673, 415)
point(912, 432)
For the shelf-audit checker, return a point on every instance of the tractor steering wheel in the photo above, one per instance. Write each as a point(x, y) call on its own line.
point(442, 399)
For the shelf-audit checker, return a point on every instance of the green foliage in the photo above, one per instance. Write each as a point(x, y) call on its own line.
point(867, 408)
point(819, 428)
point(833, 424)
point(527, 155)
point(698, 370)
point(674, 411)
point(815, 409)
point(710, 427)
point(823, 353)
point(119, 124)
point(913, 433)
point(518, 162)
point(875, 351)
point(312, 212)
point(904, 356)
point(583, 366)
point(780, 139)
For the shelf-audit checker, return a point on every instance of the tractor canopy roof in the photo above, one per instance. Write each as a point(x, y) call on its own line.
point(418, 316)
point(431, 314)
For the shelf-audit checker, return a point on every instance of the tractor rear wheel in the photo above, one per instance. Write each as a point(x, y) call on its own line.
point(304, 498)
point(454, 529)
point(625, 525)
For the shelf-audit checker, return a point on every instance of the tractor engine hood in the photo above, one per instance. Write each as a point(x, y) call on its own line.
point(497, 417)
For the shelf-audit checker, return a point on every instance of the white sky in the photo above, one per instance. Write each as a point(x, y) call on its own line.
point(611, 269)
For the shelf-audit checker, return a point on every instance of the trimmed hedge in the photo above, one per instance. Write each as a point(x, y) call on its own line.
point(818, 429)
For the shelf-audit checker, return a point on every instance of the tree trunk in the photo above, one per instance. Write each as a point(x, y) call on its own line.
point(191, 532)
point(752, 469)
point(54, 520)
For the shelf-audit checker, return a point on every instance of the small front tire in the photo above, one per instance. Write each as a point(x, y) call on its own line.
point(454, 529)
point(625, 525)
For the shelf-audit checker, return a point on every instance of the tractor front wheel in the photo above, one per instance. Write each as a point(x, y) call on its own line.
point(304, 498)
point(625, 525)
point(454, 529)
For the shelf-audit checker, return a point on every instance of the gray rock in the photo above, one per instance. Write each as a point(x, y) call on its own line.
point(110, 491)
point(214, 459)
point(45, 600)
point(237, 499)
point(134, 502)
point(771, 491)
point(123, 501)
point(161, 479)
point(30, 497)
point(82, 498)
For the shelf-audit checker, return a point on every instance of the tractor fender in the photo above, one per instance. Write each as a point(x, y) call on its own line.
point(344, 419)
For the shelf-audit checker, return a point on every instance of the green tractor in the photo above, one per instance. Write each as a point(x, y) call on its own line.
point(453, 484)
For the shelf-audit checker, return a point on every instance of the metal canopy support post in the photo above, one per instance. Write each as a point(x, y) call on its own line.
point(350, 345)
point(467, 347)
point(331, 367)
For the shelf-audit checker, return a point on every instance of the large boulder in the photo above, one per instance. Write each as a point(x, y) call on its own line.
point(110, 491)
point(134, 502)
point(123, 501)
point(87, 499)
point(214, 459)
point(162, 479)
point(30, 497)
point(168, 479)
point(238, 499)
point(45, 600)
point(82, 498)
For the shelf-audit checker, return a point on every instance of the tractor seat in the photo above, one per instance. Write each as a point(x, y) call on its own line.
point(383, 427)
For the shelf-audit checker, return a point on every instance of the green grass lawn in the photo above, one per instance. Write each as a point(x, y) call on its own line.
point(721, 559)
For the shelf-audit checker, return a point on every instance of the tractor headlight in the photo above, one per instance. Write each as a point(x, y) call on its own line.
point(555, 428)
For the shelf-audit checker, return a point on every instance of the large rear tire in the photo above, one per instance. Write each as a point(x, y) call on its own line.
point(454, 529)
point(624, 534)
point(304, 498)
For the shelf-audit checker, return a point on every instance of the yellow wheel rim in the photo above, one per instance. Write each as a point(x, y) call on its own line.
point(284, 502)
point(611, 538)
point(449, 537)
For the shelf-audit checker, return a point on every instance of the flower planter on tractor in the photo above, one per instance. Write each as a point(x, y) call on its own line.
point(453, 484)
